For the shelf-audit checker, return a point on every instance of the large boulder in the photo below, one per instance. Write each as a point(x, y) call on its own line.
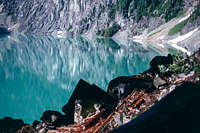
point(157, 61)
point(161, 60)
point(124, 85)
point(85, 92)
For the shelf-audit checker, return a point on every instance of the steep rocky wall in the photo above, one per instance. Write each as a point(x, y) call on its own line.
point(80, 16)
point(48, 16)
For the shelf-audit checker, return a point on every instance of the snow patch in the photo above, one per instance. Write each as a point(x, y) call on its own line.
point(161, 45)
point(61, 34)
point(1, 7)
point(138, 39)
point(181, 49)
point(161, 37)
point(184, 18)
point(183, 37)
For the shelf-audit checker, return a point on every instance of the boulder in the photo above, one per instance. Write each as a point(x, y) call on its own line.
point(124, 85)
point(85, 92)
point(158, 82)
point(27, 129)
point(35, 123)
point(161, 60)
point(9, 125)
point(53, 119)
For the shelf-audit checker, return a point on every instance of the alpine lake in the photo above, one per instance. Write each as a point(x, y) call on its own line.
point(40, 72)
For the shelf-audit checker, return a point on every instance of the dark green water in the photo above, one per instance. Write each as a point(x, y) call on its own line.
point(39, 73)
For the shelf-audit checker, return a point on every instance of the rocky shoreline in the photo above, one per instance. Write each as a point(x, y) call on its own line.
point(90, 109)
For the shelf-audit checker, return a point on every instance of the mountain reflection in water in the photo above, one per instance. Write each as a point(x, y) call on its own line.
point(39, 73)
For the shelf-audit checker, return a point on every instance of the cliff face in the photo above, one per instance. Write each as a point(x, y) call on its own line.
point(88, 17)
point(49, 16)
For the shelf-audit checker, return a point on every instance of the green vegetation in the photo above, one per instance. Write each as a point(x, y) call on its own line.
point(168, 9)
point(102, 10)
point(155, 33)
point(155, 8)
point(182, 64)
point(110, 31)
point(121, 6)
point(133, 117)
point(181, 13)
point(196, 13)
point(112, 12)
point(177, 28)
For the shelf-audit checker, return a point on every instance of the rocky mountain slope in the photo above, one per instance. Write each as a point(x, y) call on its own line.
point(92, 17)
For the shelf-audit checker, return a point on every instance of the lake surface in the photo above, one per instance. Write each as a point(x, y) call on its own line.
point(39, 73)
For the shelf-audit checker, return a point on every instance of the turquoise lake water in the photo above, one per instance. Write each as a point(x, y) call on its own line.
point(39, 73)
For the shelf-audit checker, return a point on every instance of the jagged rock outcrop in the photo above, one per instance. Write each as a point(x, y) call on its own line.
point(85, 92)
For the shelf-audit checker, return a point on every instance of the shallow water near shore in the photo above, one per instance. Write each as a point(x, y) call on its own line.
point(39, 73)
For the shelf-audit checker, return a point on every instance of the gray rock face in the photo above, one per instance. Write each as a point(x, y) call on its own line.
point(158, 82)
point(49, 16)
point(191, 26)
point(73, 16)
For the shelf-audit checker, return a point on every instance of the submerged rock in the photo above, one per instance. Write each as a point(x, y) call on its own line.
point(9, 125)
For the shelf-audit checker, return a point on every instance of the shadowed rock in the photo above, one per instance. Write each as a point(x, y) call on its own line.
point(35, 123)
point(27, 129)
point(177, 112)
point(54, 119)
point(84, 92)
point(4, 31)
point(9, 125)
point(161, 60)
point(124, 85)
